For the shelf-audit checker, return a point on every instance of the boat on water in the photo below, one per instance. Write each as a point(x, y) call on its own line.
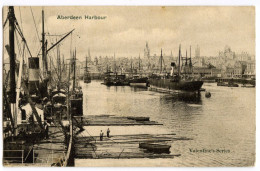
point(222, 84)
point(138, 118)
point(156, 148)
point(231, 84)
point(138, 80)
point(183, 81)
point(120, 80)
point(87, 78)
point(115, 79)
point(227, 84)
point(76, 97)
point(108, 80)
point(248, 86)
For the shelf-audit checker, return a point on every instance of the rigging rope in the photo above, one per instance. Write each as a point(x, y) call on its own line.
point(6, 20)
point(35, 25)
point(18, 45)
point(21, 18)
point(17, 27)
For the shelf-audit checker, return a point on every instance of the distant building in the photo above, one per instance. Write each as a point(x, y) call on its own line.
point(227, 54)
point(239, 69)
point(250, 69)
point(229, 72)
point(244, 56)
point(207, 71)
point(202, 71)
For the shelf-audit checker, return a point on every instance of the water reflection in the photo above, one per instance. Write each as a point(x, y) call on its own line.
point(188, 97)
point(136, 89)
point(226, 120)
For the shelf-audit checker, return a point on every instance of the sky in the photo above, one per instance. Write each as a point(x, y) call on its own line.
point(126, 29)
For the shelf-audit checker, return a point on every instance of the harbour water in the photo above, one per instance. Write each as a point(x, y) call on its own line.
point(221, 128)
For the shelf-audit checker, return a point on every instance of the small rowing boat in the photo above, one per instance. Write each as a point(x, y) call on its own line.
point(157, 148)
point(138, 118)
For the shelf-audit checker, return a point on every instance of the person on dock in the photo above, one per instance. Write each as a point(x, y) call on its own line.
point(108, 132)
point(101, 135)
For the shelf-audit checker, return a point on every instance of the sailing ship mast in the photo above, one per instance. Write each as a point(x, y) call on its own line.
point(107, 63)
point(115, 63)
point(161, 62)
point(139, 64)
point(44, 60)
point(131, 66)
point(74, 70)
point(179, 61)
point(86, 69)
point(190, 62)
point(12, 98)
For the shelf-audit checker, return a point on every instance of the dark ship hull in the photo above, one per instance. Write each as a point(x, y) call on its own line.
point(115, 80)
point(87, 80)
point(183, 85)
point(139, 82)
point(108, 82)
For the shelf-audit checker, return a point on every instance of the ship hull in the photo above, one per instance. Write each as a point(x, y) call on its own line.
point(87, 81)
point(180, 85)
point(138, 84)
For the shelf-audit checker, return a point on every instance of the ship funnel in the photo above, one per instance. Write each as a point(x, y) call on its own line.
point(34, 75)
point(172, 68)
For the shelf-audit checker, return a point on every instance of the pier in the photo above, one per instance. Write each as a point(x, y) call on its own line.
point(89, 146)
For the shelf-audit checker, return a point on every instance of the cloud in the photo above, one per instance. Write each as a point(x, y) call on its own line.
point(126, 29)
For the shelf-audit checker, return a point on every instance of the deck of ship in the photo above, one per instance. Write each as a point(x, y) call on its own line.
point(48, 152)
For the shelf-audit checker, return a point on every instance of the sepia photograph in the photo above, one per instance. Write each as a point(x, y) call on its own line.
point(128, 86)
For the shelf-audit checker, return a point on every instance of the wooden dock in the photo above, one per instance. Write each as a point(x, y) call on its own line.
point(110, 120)
point(119, 146)
point(122, 146)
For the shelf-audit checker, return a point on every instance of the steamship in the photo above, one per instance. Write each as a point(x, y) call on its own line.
point(138, 80)
point(33, 97)
point(183, 80)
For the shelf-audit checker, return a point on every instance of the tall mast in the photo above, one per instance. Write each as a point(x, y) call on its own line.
point(44, 61)
point(107, 63)
point(12, 96)
point(161, 62)
point(59, 63)
point(114, 62)
point(58, 68)
point(186, 60)
point(12, 55)
point(86, 64)
point(89, 56)
point(74, 70)
point(139, 64)
point(179, 68)
point(190, 58)
point(131, 65)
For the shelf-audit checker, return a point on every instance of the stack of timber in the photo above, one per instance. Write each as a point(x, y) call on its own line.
point(123, 146)
point(110, 120)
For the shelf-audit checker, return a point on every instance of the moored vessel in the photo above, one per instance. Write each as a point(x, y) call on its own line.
point(87, 78)
point(183, 81)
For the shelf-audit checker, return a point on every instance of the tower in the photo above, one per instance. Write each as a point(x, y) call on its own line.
point(197, 52)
